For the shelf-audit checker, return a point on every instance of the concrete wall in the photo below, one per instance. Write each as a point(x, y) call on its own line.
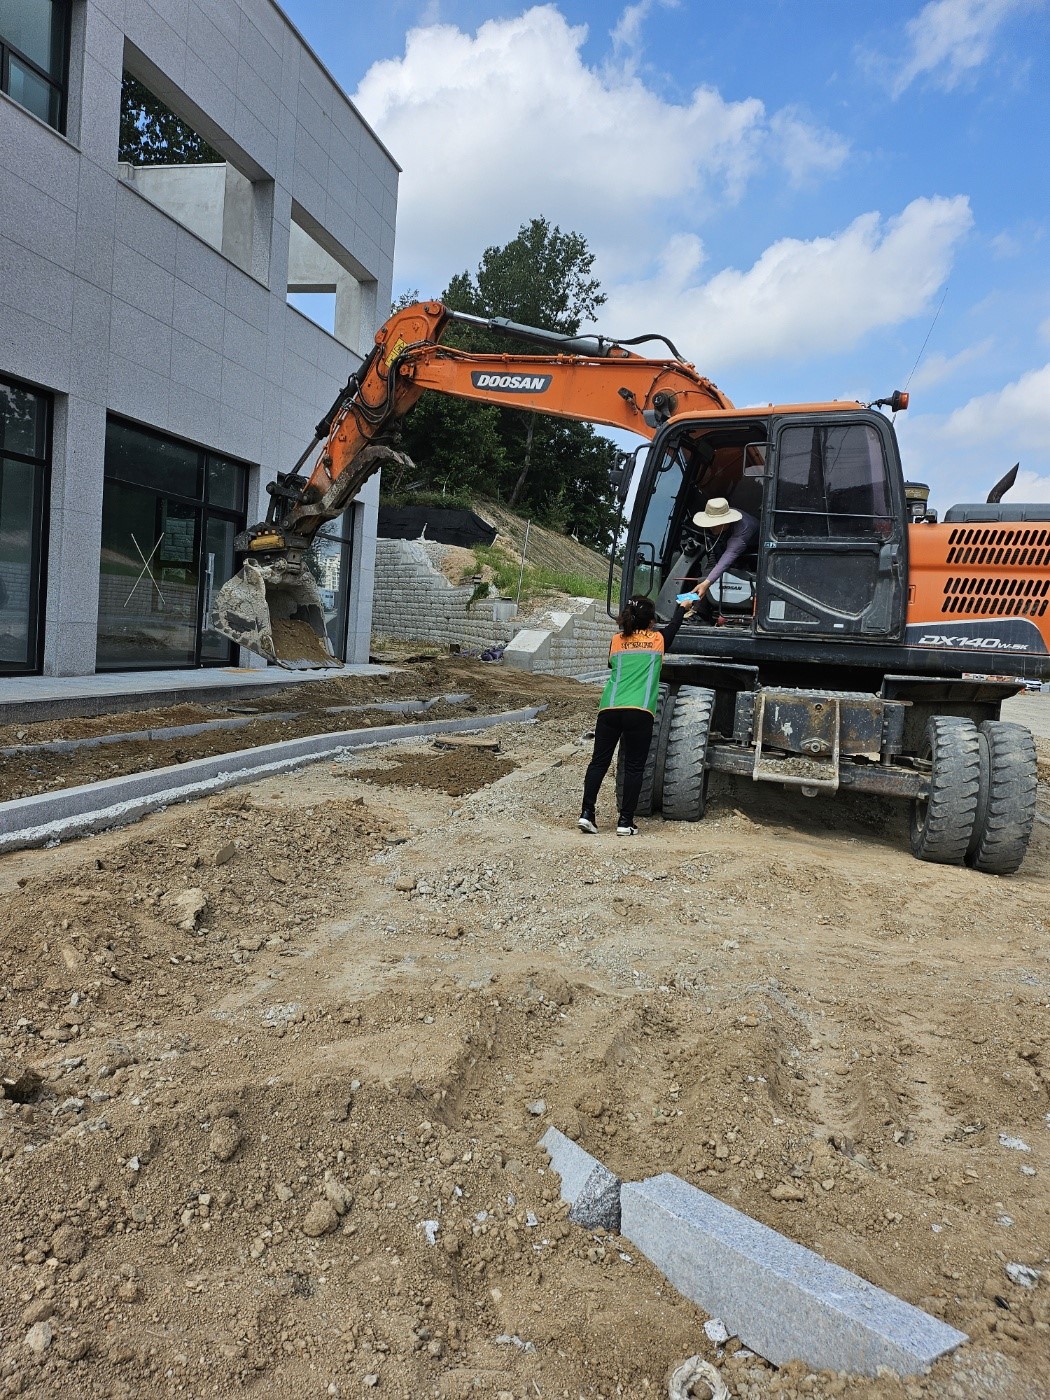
point(114, 306)
point(414, 601)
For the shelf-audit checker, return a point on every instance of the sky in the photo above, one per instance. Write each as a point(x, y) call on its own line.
point(813, 199)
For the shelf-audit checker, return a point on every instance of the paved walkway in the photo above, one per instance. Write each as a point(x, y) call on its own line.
point(52, 697)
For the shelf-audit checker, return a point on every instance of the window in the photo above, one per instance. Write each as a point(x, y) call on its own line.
point(323, 287)
point(328, 559)
point(168, 162)
point(832, 484)
point(25, 431)
point(34, 46)
point(170, 512)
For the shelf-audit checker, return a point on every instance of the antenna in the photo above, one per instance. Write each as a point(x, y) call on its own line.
point(922, 348)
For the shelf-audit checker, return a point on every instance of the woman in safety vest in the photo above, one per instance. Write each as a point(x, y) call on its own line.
point(628, 705)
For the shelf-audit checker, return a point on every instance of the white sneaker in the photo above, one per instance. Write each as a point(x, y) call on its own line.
point(587, 823)
point(627, 830)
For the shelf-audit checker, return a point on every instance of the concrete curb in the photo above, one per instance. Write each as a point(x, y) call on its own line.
point(783, 1301)
point(780, 1299)
point(591, 1189)
point(56, 816)
point(186, 731)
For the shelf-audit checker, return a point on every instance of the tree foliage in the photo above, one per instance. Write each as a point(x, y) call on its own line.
point(151, 134)
point(553, 470)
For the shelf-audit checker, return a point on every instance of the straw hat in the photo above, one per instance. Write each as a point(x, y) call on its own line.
point(718, 511)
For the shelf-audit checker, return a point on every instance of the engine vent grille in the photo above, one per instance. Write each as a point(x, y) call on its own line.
point(997, 597)
point(1002, 546)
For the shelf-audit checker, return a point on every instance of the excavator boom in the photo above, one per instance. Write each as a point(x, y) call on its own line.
point(273, 606)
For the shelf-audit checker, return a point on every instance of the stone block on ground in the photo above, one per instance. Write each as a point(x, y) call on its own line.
point(782, 1300)
point(591, 1189)
point(530, 647)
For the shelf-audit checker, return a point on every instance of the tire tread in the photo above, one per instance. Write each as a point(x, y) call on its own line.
point(999, 842)
point(685, 777)
point(943, 833)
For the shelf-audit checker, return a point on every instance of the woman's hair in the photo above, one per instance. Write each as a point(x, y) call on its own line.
point(636, 615)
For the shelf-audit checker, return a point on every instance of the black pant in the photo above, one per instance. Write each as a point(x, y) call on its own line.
point(633, 731)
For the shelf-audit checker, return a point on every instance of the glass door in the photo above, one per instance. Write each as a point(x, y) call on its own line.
point(328, 560)
point(834, 546)
point(217, 567)
point(150, 580)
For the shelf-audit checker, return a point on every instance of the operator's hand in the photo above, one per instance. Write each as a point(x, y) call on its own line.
point(702, 588)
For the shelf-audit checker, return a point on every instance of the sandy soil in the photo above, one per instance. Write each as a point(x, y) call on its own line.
point(255, 1043)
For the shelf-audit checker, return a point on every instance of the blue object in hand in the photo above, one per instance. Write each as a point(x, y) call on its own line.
point(684, 599)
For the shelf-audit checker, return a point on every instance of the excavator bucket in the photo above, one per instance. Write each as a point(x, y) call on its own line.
point(276, 615)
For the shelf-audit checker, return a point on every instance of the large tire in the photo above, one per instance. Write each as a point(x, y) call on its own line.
point(1006, 805)
point(685, 767)
point(942, 824)
point(649, 797)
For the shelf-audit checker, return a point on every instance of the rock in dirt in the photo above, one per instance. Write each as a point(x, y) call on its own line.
point(187, 907)
point(1023, 1275)
point(339, 1195)
point(39, 1337)
point(321, 1219)
point(224, 1139)
point(68, 1244)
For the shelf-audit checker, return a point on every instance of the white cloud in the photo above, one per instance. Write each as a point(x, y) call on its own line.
point(804, 150)
point(936, 368)
point(1030, 487)
point(800, 298)
point(495, 127)
point(1016, 416)
point(948, 39)
point(966, 451)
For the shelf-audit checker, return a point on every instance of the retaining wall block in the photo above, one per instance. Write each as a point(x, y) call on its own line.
point(780, 1299)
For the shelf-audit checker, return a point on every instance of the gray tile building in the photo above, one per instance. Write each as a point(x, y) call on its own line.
point(156, 364)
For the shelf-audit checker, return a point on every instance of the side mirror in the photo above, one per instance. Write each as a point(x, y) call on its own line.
point(755, 471)
point(620, 475)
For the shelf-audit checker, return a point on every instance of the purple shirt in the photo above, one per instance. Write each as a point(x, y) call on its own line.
point(740, 539)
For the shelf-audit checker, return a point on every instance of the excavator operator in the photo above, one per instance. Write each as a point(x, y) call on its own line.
point(737, 532)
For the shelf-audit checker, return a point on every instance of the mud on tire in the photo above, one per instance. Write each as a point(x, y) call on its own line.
point(1006, 803)
point(685, 767)
point(649, 797)
point(943, 823)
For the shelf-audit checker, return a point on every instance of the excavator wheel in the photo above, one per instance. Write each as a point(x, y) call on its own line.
point(1006, 803)
point(652, 790)
point(943, 822)
point(685, 767)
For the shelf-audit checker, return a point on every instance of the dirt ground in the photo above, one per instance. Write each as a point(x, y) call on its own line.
point(26, 770)
point(277, 1063)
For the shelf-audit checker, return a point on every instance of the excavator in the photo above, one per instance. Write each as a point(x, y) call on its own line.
point(863, 646)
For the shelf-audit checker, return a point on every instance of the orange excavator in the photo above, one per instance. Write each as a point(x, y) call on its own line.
point(273, 607)
point(862, 644)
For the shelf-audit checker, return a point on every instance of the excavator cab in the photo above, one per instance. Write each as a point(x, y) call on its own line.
point(828, 492)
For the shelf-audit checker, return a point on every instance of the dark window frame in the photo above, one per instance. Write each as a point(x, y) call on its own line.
point(59, 84)
point(203, 510)
point(39, 535)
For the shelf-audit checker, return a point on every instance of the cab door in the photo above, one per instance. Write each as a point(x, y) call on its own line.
point(834, 554)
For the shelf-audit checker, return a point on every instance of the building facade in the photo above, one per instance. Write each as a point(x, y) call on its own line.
point(156, 365)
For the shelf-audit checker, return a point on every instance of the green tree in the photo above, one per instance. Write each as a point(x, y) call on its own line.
point(552, 469)
point(151, 134)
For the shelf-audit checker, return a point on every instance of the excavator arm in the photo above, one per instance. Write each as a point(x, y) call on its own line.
point(273, 606)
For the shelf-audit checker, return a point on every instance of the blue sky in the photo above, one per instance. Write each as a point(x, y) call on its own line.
point(797, 192)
